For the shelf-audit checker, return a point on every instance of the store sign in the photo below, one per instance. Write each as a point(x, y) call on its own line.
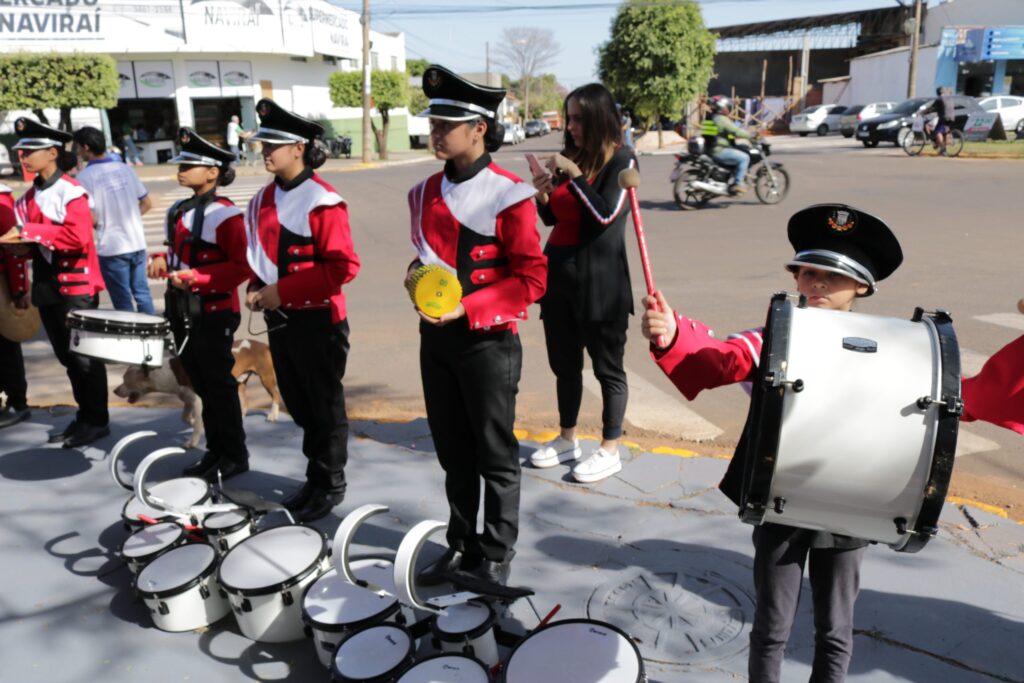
point(154, 79)
point(979, 126)
point(203, 78)
point(335, 31)
point(968, 48)
point(1003, 43)
point(236, 79)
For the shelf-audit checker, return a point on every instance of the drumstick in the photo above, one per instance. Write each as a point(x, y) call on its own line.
point(629, 180)
point(497, 667)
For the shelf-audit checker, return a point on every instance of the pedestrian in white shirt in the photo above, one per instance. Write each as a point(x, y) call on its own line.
point(233, 137)
point(118, 199)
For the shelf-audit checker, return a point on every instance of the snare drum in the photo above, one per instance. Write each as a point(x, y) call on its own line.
point(333, 608)
point(225, 530)
point(467, 627)
point(264, 577)
point(854, 423)
point(373, 655)
point(446, 668)
point(180, 588)
point(118, 336)
point(148, 543)
point(575, 651)
point(182, 493)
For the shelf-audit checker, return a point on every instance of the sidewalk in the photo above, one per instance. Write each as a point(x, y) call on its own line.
point(657, 551)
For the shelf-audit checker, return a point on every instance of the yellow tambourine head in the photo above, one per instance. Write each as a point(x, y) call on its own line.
point(434, 290)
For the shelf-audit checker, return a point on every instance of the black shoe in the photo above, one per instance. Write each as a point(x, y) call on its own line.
point(85, 434)
point(442, 568)
point(493, 572)
point(201, 467)
point(319, 505)
point(11, 416)
point(62, 435)
point(298, 500)
point(224, 469)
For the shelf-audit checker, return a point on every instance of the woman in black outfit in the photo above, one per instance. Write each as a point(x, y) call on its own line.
point(589, 298)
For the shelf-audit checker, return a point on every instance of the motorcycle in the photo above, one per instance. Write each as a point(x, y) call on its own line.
point(340, 145)
point(697, 178)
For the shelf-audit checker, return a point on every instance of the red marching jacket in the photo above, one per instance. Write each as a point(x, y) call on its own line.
point(300, 239)
point(483, 229)
point(55, 215)
point(217, 257)
point(11, 266)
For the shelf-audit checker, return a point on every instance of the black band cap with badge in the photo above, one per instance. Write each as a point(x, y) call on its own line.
point(453, 98)
point(33, 135)
point(278, 126)
point(845, 240)
point(197, 151)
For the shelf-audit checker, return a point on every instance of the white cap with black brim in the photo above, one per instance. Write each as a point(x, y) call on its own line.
point(277, 137)
point(192, 159)
point(37, 143)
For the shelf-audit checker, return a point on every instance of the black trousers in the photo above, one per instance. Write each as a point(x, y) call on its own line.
point(310, 353)
point(780, 553)
point(208, 360)
point(605, 341)
point(88, 376)
point(12, 374)
point(470, 382)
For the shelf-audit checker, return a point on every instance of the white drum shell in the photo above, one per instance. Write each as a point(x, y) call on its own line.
point(224, 538)
point(274, 614)
point(575, 651)
point(459, 631)
point(194, 607)
point(854, 450)
point(182, 492)
point(376, 653)
point(330, 592)
point(117, 346)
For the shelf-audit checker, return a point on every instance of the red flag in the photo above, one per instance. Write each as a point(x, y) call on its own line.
point(996, 394)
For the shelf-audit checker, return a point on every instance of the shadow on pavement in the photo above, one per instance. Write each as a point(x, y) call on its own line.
point(43, 464)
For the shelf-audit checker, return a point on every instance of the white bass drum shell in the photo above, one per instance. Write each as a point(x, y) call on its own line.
point(118, 336)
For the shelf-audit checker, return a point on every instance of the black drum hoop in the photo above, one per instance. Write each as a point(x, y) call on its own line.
point(207, 572)
point(281, 586)
point(641, 674)
point(451, 637)
point(384, 677)
point(439, 655)
point(118, 327)
point(944, 454)
point(373, 620)
point(226, 530)
point(152, 554)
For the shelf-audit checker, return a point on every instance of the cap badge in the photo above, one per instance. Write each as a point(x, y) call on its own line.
point(842, 220)
point(20, 125)
point(263, 109)
point(433, 78)
point(185, 137)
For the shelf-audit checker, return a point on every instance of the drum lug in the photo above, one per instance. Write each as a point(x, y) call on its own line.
point(246, 605)
point(287, 598)
point(222, 543)
point(954, 405)
point(204, 592)
point(901, 525)
point(780, 505)
point(223, 593)
point(162, 608)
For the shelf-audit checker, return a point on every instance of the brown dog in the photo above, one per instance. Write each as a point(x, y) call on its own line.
point(251, 358)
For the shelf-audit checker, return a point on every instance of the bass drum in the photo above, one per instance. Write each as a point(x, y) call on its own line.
point(118, 336)
point(575, 651)
point(853, 423)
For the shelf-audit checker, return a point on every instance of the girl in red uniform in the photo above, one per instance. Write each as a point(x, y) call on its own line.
point(12, 364)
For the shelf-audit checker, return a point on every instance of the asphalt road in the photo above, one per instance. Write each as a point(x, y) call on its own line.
point(956, 219)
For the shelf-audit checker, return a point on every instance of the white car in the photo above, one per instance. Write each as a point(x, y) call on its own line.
point(514, 134)
point(6, 167)
point(1009, 108)
point(821, 119)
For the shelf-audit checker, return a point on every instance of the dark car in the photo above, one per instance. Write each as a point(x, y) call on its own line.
point(534, 128)
point(891, 127)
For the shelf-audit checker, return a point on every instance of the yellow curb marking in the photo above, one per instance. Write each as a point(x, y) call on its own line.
point(991, 509)
point(681, 452)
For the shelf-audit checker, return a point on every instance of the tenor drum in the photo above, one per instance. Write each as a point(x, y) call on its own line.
point(374, 655)
point(181, 493)
point(469, 628)
point(333, 608)
point(225, 530)
point(264, 577)
point(149, 542)
point(118, 336)
point(854, 423)
point(181, 590)
point(446, 668)
point(575, 651)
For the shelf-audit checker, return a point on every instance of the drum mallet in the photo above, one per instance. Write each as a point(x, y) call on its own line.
point(629, 180)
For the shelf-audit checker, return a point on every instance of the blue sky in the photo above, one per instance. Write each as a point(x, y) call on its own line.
point(459, 40)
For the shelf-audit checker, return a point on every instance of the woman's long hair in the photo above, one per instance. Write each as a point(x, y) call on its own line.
point(602, 128)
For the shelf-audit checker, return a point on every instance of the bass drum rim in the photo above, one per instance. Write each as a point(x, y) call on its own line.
point(641, 673)
point(79, 320)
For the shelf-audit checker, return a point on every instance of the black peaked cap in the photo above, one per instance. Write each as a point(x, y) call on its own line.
point(453, 98)
point(198, 151)
point(281, 127)
point(34, 135)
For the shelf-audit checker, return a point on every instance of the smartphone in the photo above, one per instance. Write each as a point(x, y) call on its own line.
point(535, 168)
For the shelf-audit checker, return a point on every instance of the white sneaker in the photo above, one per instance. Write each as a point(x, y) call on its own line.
point(556, 451)
point(598, 466)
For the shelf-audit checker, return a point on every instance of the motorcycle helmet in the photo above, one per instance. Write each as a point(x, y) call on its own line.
point(719, 103)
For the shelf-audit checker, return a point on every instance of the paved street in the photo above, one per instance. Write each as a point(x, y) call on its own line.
point(954, 217)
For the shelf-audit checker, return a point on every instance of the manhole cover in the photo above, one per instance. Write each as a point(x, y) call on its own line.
point(678, 616)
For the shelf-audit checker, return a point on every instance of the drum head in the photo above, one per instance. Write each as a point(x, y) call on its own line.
point(151, 540)
point(272, 560)
point(373, 652)
point(182, 493)
point(446, 668)
point(575, 651)
point(118, 317)
point(233, 520)
point(332, 603)
point(465, 620)
point(177, 570)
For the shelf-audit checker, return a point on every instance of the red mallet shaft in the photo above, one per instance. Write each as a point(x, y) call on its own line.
point(629, 180)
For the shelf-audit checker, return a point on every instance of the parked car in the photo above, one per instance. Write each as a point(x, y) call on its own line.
point(861, 112)
point(1009, 108)
point(534, 128)
point(547, 126)
point(821, 119)
point(893, 126)
point(6, 167)
point(514, 134)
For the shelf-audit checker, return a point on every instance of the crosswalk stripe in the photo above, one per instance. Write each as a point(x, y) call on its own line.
point(240, 192)
point(1014, 321)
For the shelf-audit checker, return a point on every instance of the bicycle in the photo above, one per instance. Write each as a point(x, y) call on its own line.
point(921, 133)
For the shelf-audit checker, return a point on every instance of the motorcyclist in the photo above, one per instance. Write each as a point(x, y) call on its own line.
point(720, 134)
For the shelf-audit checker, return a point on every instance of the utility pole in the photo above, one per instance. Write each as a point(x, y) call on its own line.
point(487, 63)
point(805, 70)
point(367, 132)
point(915, 41)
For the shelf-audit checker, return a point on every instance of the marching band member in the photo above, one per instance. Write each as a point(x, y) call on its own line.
point(475, 219)
point(205, 265)
point(54, 214)
point(300, 249)
point(12, 363)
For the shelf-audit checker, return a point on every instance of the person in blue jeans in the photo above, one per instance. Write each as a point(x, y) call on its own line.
point(117, 199)
point(719, 132)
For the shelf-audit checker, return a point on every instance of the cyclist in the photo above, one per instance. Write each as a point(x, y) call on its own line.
point(944, 108)
point(720, 134)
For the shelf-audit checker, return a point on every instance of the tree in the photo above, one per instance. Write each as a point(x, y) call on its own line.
point(659, 57)
point(525, 51)
point(60, 81)
point(547, 95)
point(416, 67)
point(388, 90)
